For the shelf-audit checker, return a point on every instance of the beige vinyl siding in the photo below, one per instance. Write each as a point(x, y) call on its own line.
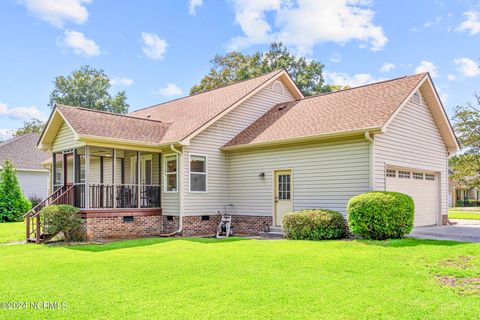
point(212, 139)
point(413, 141)
point(324, 175)
point(65, 139)
point(170, 200)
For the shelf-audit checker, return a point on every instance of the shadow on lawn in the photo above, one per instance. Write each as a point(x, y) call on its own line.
point(124, 244)
point(410, 242)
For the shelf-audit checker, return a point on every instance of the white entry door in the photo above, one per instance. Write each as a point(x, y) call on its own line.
point(422, 187)
point(283, 194)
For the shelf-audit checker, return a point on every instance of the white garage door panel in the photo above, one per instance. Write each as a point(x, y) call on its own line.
point(424, 194)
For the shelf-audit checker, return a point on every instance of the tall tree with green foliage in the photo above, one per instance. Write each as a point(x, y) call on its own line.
point(32, 126)
point(89, 88)
point(13, 203)
point(466, 166)
point(235, 66)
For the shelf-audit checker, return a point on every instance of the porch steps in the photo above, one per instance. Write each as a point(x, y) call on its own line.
point(273, 233)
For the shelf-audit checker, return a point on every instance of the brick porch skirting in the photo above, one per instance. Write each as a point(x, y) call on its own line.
point(122, 224)
point(444, 219)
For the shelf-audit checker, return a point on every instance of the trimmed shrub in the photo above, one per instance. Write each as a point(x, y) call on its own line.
point(13, 203)
point(34, 200)
point(313, 224)
point(381, 215)
point(65, 219)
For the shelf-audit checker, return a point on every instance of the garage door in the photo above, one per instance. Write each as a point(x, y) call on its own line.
point(422, 187)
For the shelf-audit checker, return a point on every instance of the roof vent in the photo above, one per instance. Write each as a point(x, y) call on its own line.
point(281, 107)
point(148, 116)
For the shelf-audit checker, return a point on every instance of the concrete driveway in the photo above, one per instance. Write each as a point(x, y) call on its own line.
point(463, 232)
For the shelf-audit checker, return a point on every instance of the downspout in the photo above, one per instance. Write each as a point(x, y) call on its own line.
point(370, 141)
point(180, 190)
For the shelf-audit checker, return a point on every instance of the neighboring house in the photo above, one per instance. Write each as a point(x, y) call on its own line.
point(462, 195)
point(258, 146)
point(28, 161)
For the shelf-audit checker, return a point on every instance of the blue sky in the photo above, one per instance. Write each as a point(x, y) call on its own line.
point(156, 50)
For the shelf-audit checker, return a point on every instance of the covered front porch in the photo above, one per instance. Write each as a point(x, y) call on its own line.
point(104, 179)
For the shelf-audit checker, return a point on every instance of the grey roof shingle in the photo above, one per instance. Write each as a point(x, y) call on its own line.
point(23, 152)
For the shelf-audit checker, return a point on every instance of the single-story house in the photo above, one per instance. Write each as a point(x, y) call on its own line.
point(28, 160)
point(258, 148)
point(463, 195)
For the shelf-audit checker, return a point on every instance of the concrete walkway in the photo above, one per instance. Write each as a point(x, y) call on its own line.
point(466, 233)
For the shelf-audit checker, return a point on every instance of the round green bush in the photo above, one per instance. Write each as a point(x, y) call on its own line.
point(313, 224)
point(381, 215)
point(63, 218)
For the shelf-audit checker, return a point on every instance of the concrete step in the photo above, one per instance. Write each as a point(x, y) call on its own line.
point(276, 229)
point(272, 235)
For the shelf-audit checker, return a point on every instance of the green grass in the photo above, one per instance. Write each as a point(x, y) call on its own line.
point(242, 279)
point(12, 231)
point(469, 215)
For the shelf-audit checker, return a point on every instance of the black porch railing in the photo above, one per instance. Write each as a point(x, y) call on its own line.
point(101, 196)
point(150, 196)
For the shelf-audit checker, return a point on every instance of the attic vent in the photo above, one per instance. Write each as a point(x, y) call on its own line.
point(416, 97)
point(281, 107)
point(277, 87)
point(148, 116)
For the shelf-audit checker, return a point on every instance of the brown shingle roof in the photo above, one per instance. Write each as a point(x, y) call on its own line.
point(23, 152)
point(110, 125)
point(365, 107)
point(188, 114)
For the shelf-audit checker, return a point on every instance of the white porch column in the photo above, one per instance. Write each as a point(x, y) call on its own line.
point(114, 169)
point(87, 175)
point(138, 179)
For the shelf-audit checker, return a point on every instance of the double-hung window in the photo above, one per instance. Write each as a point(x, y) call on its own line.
point(171, 166)
point(198, 173)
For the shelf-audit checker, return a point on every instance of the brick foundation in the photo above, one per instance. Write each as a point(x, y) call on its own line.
point(195, 226)
point(98, 228)
point(112, 225)
point(445, 220)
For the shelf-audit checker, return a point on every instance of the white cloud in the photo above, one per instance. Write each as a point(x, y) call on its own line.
point(304, 23)
point(117, 81)
point(428, 24)
point(6, 134)
point(20, 113)
point(387, 67)
point(444, 97)
point(193, 5)
point(344, 79)
point(336, 57)
point(170, 90)
point(154, 46)
point(467, 67)
point(58, 12)
point(471, 23)
point(80, 45)
point(427, 66)
point(451, 77)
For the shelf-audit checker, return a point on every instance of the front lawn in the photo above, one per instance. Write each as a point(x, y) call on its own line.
point(12, 231)
point(243, 279)
point(468, 215)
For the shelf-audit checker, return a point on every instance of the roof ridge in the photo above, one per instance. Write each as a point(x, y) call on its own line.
point(362, 86)
point(275, 72)
point(113, 113)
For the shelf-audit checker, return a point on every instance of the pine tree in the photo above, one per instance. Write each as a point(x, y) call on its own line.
point(13, 203)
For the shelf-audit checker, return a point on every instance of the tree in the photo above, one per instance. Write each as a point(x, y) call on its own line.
point(466, 166)
point(235, 66)
point(13, 203)
point(32, 126)
point(88, 88)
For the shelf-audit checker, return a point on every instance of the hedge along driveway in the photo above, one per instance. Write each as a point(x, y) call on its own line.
point(241, 279)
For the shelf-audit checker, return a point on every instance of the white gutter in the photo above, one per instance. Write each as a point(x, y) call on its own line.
point(180, 190)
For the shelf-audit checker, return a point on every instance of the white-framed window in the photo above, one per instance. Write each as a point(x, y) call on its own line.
point(404, 174)
point(171, 172)
point(418, 176)
point(198, 173)
point(391, 173)
point(429, 176)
